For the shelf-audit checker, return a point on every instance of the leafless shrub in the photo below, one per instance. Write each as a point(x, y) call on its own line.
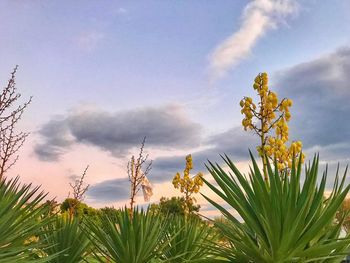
point(137, 174)
point(10, 140)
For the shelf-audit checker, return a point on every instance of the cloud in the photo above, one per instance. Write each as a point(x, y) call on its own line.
point(233, 142)
point(57, 140)
point(259, 16)
point(121, 11)
point(109, 190)
point(88, 41)
point(164, 127)
point(320, 90)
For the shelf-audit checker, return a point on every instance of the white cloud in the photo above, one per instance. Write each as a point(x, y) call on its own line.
point(88, 41)
point(121, 11)
point(258, 17)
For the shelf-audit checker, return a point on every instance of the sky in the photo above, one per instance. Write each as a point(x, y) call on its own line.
point(104, 74)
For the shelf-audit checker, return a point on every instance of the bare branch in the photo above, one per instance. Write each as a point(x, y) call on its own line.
point(78, 187)
point(79, 191)
point(10, 141)
point(136, 175)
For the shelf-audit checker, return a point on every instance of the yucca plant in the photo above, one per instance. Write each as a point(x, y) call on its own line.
point(139, 239)
point(190, 240)
point(65, 239)
point(284, 220)
point(20, 221)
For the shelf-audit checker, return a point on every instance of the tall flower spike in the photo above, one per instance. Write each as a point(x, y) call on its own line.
point(187, 185)
point(270, 122)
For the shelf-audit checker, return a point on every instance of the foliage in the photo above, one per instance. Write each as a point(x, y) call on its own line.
point(105, 215)
point(20, 221)
point(190, 240)
point(284, 221)
point(188, 185)
point(136, 239)
point(269, 119)
point(65, 239)
point(220, 220)
point(69, 202)
point(52, 207)
point(343, 215)
point(173, 206)
point(109, 212)
point(80, 209)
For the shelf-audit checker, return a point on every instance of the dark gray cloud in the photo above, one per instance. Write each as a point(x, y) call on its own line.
point(57, 140)
point(164, 168)
point(320, 90)
point(234, 142)
point(109, 190)
point(47, 152)
point(165, 127)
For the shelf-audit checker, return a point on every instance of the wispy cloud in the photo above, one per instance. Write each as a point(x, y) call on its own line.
point(259, 16)
point(88, 41)
point(121, 11)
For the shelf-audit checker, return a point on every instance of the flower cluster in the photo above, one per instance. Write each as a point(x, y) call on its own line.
point(268, 105)
point(186, 184)
point(270, 121)
point(247, 109)
point(277, 149)
point(284, 107)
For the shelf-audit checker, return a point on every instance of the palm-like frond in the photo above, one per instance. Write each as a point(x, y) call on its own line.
point(190, 240)
point(134, 240)
point(283, 220)
point(65, 239)
point(20, 221)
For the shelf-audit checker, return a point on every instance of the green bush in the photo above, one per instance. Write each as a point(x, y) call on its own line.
point(20, 221)
point(139, 239)
point(175, 206)
point(283, 220)
point(65, 240)
point(189, 240)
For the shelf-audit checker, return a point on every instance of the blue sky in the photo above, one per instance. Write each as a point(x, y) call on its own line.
point(100, 63)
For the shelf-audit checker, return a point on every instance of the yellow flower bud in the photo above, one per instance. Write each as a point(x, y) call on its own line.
point(287, 116)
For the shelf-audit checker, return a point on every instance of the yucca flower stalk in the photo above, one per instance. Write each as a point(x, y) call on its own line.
point(188, 185)
point(282, 220)
point(269, 120)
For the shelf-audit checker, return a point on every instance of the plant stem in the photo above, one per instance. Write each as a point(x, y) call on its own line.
point(263, 139)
